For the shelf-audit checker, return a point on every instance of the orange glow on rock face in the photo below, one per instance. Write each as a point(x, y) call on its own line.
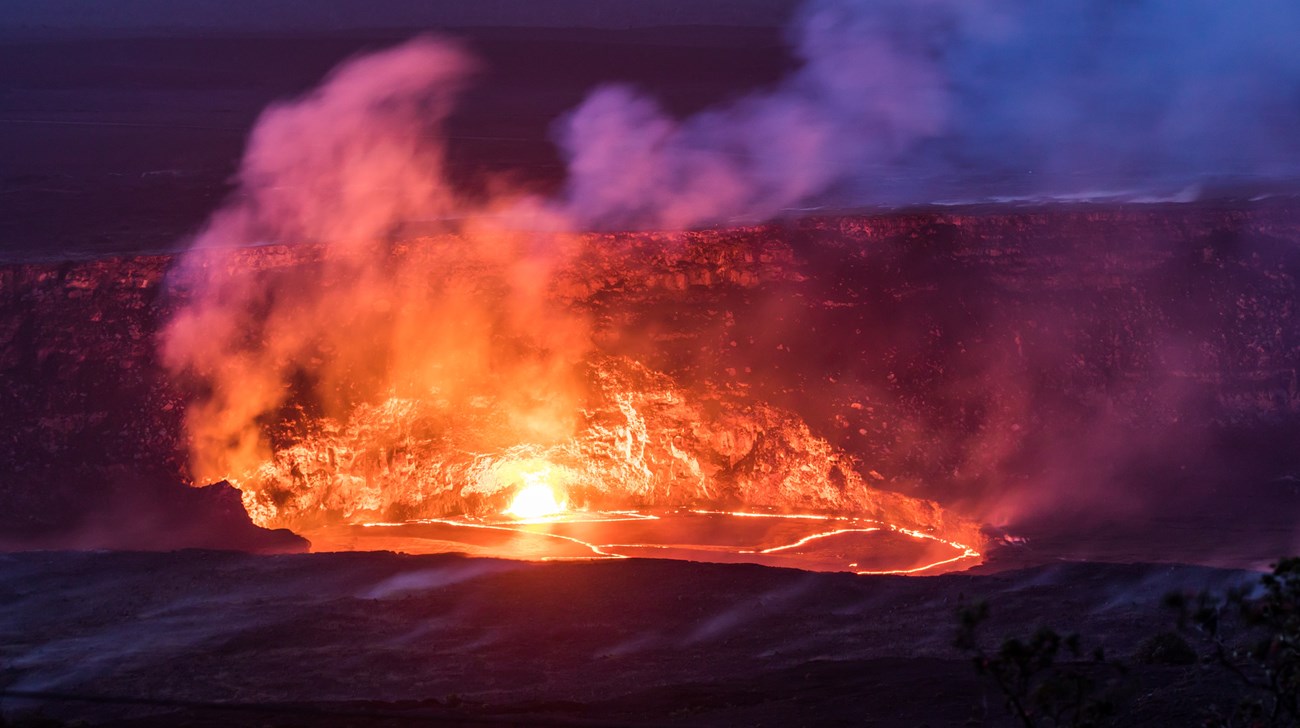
point(640, 443)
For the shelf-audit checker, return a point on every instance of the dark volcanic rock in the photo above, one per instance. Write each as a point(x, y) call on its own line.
point(92, 434)
point(629, 642)
point(1064, 366)
point(160, 515)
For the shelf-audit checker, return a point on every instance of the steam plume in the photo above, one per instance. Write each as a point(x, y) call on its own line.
point(900, 102)
point(344, 167)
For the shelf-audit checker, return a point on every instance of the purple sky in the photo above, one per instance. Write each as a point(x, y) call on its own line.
point(329, 15)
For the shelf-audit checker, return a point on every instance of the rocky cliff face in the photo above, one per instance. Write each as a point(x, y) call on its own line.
point(983, 358)
point(1019, 362)
point(643, 442)
point(92, 436)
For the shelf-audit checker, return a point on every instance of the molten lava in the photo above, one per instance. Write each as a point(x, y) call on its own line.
point(536, 499)
point(805, 541)
point(644, 474)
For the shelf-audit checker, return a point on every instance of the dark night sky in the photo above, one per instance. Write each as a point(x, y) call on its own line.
point(332, 15)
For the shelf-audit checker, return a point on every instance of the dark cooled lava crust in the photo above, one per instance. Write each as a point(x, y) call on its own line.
point(207, 638)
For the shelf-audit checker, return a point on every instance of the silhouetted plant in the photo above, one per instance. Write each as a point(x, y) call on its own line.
point(1165, 648)
point(1045, 680)
point(1255, 637)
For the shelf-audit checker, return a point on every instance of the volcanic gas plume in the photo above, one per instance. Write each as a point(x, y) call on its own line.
point(389, 377)
point(469, 322)
point(899, 102)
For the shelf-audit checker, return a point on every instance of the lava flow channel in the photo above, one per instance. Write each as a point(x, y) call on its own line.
point(807, 541)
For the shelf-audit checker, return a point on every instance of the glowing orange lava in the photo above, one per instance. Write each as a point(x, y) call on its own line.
point(816, 542)
point(536, 499)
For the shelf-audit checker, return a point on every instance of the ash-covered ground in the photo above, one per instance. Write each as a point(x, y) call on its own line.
point(384, 639)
